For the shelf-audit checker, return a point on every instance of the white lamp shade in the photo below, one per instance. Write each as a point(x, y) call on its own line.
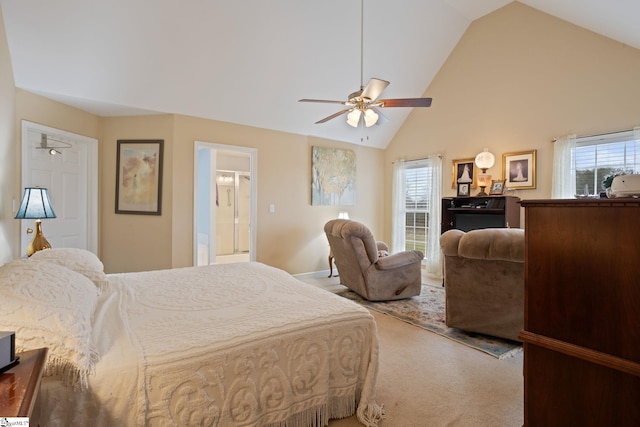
point(370, 117)
point(353, 118)
point(35, 204)
point(485, 159)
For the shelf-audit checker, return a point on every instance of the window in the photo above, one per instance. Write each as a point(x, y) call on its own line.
point(415, 211)
point(595, 157)
point(418, 185)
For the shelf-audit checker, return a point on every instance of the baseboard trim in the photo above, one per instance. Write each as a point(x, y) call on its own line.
point(313, 274)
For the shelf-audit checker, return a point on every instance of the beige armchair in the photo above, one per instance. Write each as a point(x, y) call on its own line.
point(364, 266)
point(484, 280)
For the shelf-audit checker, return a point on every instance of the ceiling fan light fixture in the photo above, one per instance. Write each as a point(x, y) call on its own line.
point(364, 103)
point(370, 117)
point(353, 118)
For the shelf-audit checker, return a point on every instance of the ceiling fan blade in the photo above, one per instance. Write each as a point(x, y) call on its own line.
point(374, 88)
point(326, 101)
point(404, 102)
point(333, 116)
point(382, 119)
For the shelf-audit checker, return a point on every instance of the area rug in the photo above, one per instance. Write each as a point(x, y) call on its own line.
point(427, 311)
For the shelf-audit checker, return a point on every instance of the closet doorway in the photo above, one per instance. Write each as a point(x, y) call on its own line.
point(225, 204)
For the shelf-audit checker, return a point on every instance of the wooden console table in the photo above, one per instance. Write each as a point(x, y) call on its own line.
point(582, 313)
point(19, 386)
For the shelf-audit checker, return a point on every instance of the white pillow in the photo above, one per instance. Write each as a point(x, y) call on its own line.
point(80, 260)
point(51, 306)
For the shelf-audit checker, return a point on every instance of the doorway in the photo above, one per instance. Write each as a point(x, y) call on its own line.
point(67, 164)
point(225, 203)
point(232, 215)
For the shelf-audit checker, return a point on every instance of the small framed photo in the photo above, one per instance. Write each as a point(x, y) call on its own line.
point(497, 187)
point(519, 169)
point(464, 171)
point(464, 189)
point(139, 177)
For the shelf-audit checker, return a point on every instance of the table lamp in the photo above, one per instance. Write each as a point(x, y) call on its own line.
point(36, 205)
point(484, 161)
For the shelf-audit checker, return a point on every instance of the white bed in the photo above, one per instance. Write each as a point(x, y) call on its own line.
point(225, 345)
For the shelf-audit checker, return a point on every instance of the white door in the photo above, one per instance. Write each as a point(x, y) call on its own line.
point(243, 216)
point(70, 175)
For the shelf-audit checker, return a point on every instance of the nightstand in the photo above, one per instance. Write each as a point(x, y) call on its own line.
point(20, 385)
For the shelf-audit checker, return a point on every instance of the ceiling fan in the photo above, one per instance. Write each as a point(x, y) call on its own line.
point(363, 105)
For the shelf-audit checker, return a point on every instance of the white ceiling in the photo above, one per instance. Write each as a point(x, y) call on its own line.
point(249, 61)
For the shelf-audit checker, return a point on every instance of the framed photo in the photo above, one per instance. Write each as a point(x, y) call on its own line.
point(464, 189)
point(497, 187)
point(139, 177)
point(464, 172)
point(519, 169)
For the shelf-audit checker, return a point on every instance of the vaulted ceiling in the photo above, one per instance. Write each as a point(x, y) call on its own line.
point(249, 61)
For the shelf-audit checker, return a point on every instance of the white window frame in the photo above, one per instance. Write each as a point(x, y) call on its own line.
point(600, 155)
point(431, 252)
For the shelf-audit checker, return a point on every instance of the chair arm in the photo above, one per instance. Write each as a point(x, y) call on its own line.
point(449, 241)
point(382, 246)
point(398, 259)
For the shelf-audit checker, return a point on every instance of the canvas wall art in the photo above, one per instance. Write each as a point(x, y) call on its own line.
point(333, 177)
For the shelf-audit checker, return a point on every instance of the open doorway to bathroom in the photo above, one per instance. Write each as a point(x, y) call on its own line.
point(232, 213)
point(225, 204)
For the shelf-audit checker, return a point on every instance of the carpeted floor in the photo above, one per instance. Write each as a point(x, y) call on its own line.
point(427, 380)
point(427, 311)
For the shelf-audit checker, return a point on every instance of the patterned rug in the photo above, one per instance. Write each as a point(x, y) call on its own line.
point(427, 311)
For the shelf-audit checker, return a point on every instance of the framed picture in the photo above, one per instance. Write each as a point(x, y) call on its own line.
point(519, 169)
point(464, 189)
point(464, 171)
point(497, 187)
point(139, 177)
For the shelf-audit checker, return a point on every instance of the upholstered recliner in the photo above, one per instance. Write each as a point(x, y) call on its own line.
point(484, 280)
point(373, 275)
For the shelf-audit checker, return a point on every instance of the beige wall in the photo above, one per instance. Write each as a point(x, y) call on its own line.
point(135, 242)
point(517, 79)
point(9, 180)
point(292, 237)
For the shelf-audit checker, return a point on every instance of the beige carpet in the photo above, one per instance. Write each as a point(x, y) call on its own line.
point(426, 380)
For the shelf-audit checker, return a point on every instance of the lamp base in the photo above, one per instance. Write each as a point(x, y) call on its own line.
point(39, 242)
point(481, 192)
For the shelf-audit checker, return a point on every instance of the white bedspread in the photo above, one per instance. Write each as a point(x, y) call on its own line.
point(226, 345)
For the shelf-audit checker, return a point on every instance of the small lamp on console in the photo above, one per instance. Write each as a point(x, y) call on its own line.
point(36, 205)
point(484, 161)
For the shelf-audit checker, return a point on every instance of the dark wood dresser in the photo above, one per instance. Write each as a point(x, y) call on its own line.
point(582, 313)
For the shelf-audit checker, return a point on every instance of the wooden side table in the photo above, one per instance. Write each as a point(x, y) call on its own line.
point(20, 385)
